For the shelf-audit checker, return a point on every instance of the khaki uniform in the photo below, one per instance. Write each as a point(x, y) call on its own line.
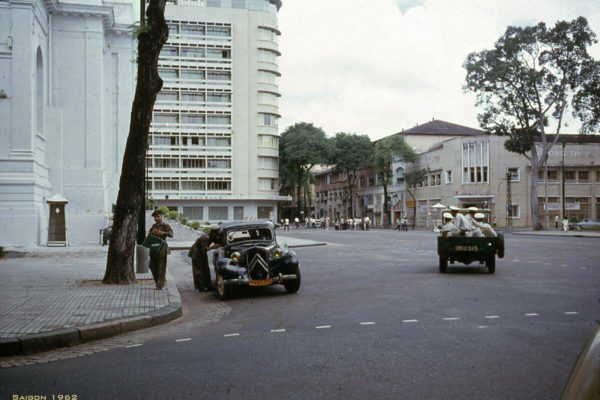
point(200, 269)
point(158, 261)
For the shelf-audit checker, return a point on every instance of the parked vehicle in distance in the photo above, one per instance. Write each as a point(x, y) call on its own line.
point(250, 256)
point(585, 223)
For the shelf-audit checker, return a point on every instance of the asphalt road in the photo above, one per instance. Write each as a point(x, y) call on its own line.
point(374, 319)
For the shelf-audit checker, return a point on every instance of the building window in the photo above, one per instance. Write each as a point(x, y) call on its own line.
point(267, 77)
point(166, 163)
point(166, 185)
point(219, 120)
point(399, 175)
point(267, 56)
point(514, 174)
point(218, 213)
point(269, 119)
point(514, 211)
point(193, 163)
point(238, 213)
point(583, 176)
point(221, 31)
point(165, 118)
point(194, 213)
point(265, 212)
point(192, 119)
point(193, 185)
point(218, 186)
point(267, 184)
point(268, 162)
point(475, 161)
point(598, 179)
point(268, 141)
point(268, 98)
point(449, 176)
point(569, 175)
point(218, 142)
point(218, 164)
point(218, 75)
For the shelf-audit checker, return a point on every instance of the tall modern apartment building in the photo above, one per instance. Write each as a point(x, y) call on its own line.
point(214, 141)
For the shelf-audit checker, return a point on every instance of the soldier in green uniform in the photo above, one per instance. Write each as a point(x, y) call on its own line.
point(158, 261)
point(199, 255)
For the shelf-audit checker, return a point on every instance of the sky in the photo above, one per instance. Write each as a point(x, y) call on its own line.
point(376, 67)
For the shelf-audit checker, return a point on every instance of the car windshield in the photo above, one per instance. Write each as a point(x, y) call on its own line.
point(243, 235)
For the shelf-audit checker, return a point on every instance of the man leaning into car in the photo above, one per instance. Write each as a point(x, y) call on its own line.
point(199, 255)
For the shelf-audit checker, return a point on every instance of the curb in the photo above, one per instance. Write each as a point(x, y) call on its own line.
point(38, 342)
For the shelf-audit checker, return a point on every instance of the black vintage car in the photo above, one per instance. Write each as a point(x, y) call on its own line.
point(250, 256)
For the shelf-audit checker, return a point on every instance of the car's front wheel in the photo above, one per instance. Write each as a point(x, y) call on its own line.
point(222, 290)
point(293, 285)
point(578, 227)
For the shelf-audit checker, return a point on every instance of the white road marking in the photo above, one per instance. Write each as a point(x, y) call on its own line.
point(451, 319)
point(410, 320)
point(367, 323)
point(531, 314)
point(563, 265)
point(184, 340)
point(133, 345)
point(323, 327)
point(277, 330)
point(516, 260)
point(546, 263)
point(571, 312)
point(482, 326)
point(231, 334)
point(582, 268)
point(492, 316)
point(531, 262)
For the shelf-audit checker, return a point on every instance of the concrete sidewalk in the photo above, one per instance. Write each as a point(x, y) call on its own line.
point(53, 297)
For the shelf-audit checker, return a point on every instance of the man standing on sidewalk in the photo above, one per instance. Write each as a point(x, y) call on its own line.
point(199, 255)
point(158, 260)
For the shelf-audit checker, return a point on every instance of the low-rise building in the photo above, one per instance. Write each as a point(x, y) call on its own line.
point(479, 171)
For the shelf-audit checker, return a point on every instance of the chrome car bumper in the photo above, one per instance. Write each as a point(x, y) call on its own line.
point(244, 281)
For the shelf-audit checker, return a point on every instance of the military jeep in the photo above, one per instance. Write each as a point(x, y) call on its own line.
point(468, 249)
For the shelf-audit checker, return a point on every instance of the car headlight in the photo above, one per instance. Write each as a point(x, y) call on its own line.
point(235, 256)
point(277, 252)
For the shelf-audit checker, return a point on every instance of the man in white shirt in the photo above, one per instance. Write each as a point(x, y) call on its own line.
point(461, 224)
point(486, 229)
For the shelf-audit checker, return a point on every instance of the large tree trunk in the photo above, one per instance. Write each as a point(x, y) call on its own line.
point(386, 207)
point(350, 183)
point(535, 207)
point(119, 264)
point(299, 192)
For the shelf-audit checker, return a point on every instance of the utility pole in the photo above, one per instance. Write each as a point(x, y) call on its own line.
point(509, 223)
point(563, 178)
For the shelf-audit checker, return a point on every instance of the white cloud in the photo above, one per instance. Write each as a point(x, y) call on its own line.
point(379, 66)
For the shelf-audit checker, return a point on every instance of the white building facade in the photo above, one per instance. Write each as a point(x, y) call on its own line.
point(214, 143)
point(66, 87)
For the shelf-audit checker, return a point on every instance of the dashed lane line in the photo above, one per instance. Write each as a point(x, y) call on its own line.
point(482, 326)
point(450, 318)
point(564, 265)
point(492, 316)
point(133, 345)
point(231, 334)
point(410, 320)
point(531, 314)
point(184, 340)
point(277, 330)
point(368, 323)
point(323, 327)
point(571, 312)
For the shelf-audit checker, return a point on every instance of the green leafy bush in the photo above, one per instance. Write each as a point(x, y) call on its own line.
point(163, 209)
point(172, 215)
point(183, 220)
point(195, 225)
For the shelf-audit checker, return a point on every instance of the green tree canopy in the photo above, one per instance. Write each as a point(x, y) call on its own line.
point(351, 152)
point(301, 147)
point(386, 151)
point(527, 83)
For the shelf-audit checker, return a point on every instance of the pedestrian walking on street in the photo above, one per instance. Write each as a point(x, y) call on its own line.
point(297, 222)
point(367, 223)
point(404, 224)
point(158, 260)
point(494, 222)
point(199, 255)
point(556, 221)
point(286, 225)
point(565, 224)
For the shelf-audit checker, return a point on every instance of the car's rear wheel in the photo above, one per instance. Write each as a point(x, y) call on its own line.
point(293, 285)
point(222, 290)
point(500, 245)
point(578, 227)
point(490, 263)
point(443, 264)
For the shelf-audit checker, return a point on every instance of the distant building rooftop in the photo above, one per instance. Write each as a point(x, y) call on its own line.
point(438, 127)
